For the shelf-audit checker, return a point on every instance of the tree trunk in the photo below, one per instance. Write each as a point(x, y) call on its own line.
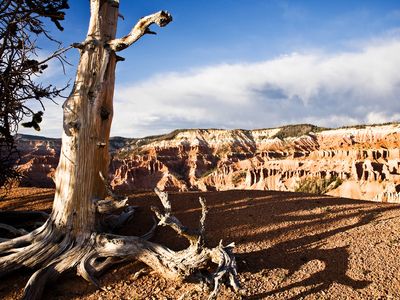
point(72, 236)
point(87, 122)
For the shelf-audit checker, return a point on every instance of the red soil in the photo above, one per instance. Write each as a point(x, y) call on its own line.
point(288, 246)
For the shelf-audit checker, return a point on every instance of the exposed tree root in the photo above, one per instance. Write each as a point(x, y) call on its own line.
point(11, 217)
point(12, 230)
point(52, 252)
point(17, 223)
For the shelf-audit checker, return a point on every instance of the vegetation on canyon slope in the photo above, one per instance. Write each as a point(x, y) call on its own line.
point(318, 185)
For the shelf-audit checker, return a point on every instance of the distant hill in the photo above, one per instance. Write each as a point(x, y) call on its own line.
point(361, 161)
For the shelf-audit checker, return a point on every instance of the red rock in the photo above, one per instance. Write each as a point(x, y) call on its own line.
point(366, 159)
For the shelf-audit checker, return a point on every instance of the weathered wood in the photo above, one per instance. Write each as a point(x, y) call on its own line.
point(171, 264)
point(18, 223)
point(161, 18)
point(14, 231)
point(195, 237)
point(112, 222)
point(75, 236)
point(110, 205)
point(109, 189)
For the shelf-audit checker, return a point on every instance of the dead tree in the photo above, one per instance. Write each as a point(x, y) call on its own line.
point(74, 235)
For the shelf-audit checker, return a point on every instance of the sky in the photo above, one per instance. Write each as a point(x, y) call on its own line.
point(245, 64)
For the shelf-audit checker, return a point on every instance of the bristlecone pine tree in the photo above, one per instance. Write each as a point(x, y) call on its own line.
point(76, 232)
point(22, 23)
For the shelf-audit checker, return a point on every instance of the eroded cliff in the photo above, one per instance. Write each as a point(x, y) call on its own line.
point(359, 162)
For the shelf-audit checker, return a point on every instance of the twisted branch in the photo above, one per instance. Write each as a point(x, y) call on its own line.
point(106, 206)
point(161, 18)
point(195, 237)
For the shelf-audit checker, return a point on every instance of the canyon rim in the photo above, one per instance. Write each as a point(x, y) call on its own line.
point(360, 162)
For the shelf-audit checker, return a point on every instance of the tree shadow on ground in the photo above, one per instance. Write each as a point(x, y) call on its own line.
point(287, 231)
point(41, 197)
point(266, 218)
point(293, 254)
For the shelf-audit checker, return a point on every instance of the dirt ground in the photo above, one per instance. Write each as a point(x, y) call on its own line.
point(288, 246)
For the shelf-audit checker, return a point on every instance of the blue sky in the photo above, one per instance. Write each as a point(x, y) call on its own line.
point(247, 64)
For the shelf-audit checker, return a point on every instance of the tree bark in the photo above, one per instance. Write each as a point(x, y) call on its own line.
point(87, 121)
point(73, 236)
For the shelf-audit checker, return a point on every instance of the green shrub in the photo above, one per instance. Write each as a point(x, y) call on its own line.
point(238, 176)
point(362, 126)
point(208, 172)
point(318, 185)
point(297, 130)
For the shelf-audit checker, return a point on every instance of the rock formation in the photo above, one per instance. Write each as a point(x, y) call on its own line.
point(360, 162)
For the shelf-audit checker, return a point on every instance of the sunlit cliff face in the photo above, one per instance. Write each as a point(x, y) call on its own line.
point(361, 162)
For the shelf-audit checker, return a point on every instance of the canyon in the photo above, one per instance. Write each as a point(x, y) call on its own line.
point(359, 162)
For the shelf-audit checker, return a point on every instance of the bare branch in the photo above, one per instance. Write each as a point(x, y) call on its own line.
point(56, 54)
point(113, 222)
point(166, 219)
point(161, 18)
point(109, 189)
point(13, 230)
point(107, 206)
point(204, 212)
point(223, 256)
point(148, 235)
point(110, 205)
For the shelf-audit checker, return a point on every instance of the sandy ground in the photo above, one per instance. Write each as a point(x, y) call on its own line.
point(288, 246)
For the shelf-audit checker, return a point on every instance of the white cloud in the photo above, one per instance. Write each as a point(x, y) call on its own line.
point(382, 117)
point(327, 90)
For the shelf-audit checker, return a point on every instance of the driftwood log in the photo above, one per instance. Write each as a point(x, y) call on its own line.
point(78, 233)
